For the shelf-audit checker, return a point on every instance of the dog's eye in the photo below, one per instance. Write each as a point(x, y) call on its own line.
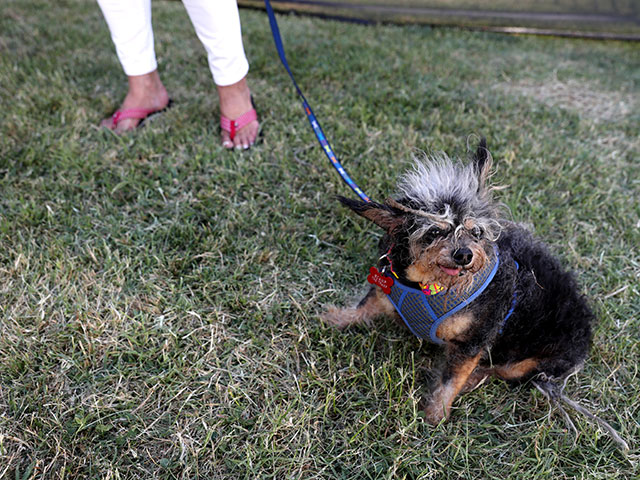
point(476, 232)
point(436, 232)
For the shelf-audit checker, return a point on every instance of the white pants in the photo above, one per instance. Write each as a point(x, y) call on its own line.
point(217, 24)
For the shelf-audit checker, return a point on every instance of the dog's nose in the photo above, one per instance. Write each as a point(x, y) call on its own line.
point(462, 256)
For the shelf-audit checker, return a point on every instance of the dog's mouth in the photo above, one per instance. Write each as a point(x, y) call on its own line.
point(454, 272)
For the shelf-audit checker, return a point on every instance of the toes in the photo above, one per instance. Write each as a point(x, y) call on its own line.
point(240, 142)
point(226, 140)
point(126, 125)
point(107, 123)
point(123, 125)
point(246, 136)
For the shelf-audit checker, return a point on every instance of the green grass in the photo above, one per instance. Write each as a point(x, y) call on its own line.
point(159, 295)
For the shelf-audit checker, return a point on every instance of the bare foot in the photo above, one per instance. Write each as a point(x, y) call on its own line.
point(145, 92)
point(235, 100)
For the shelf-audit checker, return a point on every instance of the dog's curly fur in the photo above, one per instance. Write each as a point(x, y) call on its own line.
point(442, 227)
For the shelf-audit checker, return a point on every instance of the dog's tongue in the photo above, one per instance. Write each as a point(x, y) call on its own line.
point(450, 271)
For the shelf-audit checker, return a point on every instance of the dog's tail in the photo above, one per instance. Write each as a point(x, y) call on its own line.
point(554, 392)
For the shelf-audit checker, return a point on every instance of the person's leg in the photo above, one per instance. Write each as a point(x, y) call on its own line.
point(129, 22)
point(217, 25)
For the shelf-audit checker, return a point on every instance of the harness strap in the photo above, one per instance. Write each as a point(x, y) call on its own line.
point(423, 314)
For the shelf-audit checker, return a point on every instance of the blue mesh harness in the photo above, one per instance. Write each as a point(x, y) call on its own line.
point(423, 314)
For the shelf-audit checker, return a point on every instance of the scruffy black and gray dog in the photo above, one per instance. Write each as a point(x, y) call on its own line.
point(459, 274)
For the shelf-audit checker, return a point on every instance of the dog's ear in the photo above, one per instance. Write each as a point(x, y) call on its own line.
point(482, 163)
point(382, 215)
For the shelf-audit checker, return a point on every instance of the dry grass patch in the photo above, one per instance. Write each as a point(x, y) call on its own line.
point(583, 98)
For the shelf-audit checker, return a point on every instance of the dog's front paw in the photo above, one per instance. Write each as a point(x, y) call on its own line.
point(438, 405)
point(340, 317)
point(434, 413)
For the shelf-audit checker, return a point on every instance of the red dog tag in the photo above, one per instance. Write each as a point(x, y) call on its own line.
point(376, 278)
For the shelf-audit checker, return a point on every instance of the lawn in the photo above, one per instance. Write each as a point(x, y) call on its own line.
point(159, 296)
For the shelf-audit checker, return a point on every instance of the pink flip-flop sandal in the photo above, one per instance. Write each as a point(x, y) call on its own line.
point(232, 126)
point(142, 114)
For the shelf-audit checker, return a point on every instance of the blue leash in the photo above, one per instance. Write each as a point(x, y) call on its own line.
point(275, 31)
point(317, 129)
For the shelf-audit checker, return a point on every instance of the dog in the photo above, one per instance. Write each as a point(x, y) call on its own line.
point(455, 270)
